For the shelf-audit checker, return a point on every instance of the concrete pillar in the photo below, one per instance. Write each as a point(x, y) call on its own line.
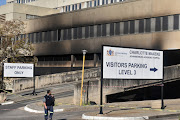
point(95, 60)
point(72, 61)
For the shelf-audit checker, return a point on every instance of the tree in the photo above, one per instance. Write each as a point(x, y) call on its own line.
point(14, 43)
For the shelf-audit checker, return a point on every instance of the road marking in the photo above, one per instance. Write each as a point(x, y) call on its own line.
point(7, 103)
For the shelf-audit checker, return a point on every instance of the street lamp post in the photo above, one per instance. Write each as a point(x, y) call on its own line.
point(84, 53)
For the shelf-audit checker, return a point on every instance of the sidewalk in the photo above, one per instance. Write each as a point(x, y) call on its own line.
point(135, 110)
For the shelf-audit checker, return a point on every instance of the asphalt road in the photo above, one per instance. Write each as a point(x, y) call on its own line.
point(15, 111)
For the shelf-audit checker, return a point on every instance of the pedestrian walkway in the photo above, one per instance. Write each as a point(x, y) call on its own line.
point(135, 110)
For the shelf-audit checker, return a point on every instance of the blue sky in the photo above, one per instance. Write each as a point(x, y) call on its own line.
point(2, 2)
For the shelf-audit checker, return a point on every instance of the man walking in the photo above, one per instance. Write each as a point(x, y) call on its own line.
point(48, 105)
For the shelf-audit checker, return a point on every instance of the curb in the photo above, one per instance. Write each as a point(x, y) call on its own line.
point(7, 103)
point(162, 116)
point(113, 118)
point(26, 108)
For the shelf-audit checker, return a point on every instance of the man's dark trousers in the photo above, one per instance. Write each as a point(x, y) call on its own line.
point(49, 108)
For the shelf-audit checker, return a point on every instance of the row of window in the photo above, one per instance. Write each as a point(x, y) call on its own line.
point(24, 1)
point(165, 23)
point(78, 57)
point(28, 16)
point(88, 4)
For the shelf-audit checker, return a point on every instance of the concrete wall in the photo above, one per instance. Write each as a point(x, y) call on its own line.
point(42, 81)
point(115, 86)
point(156, 40)
point(19, 11)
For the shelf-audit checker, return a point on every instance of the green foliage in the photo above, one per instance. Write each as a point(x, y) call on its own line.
point(13, 46)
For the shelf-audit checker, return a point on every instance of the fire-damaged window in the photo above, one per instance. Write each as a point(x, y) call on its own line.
point(91, 31)
point(111, 29)
point(158, 24)
point(126, 27)
point(88, 57)
point(117, 28)
point(165, 23)
point(176, 22)
point(148, 25)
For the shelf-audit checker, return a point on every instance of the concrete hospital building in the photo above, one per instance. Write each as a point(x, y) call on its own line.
point(60, 29)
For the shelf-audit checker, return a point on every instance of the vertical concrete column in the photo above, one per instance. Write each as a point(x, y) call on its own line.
point(72, 61)
point(95, 60)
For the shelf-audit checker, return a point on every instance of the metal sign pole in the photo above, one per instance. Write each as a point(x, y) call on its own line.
point(162, 94)
point(2, 75)
point(101, 89)
point(34, 80)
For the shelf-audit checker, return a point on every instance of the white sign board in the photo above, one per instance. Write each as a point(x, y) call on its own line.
point(18, 70)
point(128, 63)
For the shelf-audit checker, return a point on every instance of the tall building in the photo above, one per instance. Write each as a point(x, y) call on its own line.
point(59, 37)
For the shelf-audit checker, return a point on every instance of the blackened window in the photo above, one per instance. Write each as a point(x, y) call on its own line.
point(102, 2)
point(62, 58)
point(75, 33)
point(176, 22)
point(69, 34)
point(106, 1)
point(72, 7)
point(37, 37)
point(66, 9)
point(86, 31)
point(95, 3)
point(46, 36)
point(165, 23)
point(148, 25)
point(49, 36)
point(49, 58)
point(88, 57)
point(80, 32)
point(40, 58)
point(69, 8)
point(32, 37)
point(126, 27)
point(59, 34)
point(132, 27)
point(111, 1)
point(111, 29)
point(40, 37)
point(141, 26)
point(104, 30)
point(76, 6)
point(98, 2)
point(90, 3)
point(117, 28)
point(28, 38)
point(158, 24)
point(98, 30)
point(54, 37)
point(65, 34)
point(91, 31)
point(80, 6)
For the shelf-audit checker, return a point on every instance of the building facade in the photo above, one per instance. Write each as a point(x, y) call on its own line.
point(67, 27)
point(59, 39)
point(20, 11)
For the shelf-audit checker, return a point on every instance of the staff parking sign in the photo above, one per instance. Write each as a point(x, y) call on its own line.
point(18, 70)
point(129, 63)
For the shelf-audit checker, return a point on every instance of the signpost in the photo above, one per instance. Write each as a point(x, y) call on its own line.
point(19, 70)
point(130, 63)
